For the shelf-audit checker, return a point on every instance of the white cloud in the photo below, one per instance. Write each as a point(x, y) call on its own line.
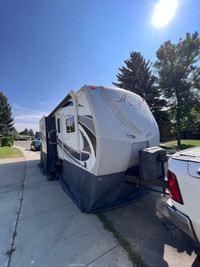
point(19, 107)
point(30, 116)
point(21, 126)
point(26, 118)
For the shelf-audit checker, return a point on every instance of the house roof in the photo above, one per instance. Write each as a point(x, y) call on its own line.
point(25, 136)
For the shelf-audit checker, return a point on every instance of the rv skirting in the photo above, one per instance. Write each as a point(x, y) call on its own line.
point(43, 162)
point(98, 193)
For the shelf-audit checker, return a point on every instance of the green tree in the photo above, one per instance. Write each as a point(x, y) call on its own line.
point(25, 132)
point(37, 134)
point(137, 77)
point(14, 133)
point(31, 133)
point(178, 77)
point(6, 119)
point(191, 122)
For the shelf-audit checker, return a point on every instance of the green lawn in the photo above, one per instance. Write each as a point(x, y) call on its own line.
point(10, 152)
point(184, 144)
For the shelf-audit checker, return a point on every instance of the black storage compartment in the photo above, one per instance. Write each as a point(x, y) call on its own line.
point(151, 159)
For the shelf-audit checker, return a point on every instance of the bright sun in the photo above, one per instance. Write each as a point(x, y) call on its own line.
point(164, 12)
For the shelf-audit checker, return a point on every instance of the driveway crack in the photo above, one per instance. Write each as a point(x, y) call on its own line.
point(102, 255)
point(12, 248)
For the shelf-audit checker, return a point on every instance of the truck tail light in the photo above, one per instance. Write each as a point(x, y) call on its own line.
point(174, 187)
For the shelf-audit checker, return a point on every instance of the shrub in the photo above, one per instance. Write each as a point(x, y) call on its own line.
point(7, 141)
point(21, 139)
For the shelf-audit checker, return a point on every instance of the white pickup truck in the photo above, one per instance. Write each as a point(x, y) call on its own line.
point(184, 185)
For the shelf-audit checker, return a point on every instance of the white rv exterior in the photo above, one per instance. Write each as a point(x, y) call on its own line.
point(100, 131)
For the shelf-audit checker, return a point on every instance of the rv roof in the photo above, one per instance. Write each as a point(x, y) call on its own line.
point(62, 103)
point(72, 93)
point(67, 98)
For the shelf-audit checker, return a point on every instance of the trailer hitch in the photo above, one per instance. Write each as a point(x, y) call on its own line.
point(153, 182)
point(160, 182)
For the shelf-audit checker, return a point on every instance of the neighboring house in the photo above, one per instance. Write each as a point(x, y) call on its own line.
point(165, 131)
point(27, 137)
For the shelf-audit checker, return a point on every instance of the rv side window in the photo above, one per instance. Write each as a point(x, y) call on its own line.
point(58, 124)
point(70, 125)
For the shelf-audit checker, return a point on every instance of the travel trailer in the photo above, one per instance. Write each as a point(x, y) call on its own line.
point(92, 139)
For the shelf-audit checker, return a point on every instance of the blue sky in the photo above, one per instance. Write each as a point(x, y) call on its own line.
point(49, 47)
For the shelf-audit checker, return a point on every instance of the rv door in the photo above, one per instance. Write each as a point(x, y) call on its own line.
point(70, 136)
point(68, 143)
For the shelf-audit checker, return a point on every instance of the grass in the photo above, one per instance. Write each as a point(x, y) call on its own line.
point(124, 242)
point(184, 144)
point(10, 152)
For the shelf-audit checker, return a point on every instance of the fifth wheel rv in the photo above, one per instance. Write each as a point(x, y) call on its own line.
point(92, 139)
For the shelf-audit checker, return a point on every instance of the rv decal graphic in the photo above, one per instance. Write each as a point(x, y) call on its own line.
point(73, 154)
point(67, 153)
point(88, 116)
point(87, 124)
point(130, 100)
point(90, 135)
point(86, 146)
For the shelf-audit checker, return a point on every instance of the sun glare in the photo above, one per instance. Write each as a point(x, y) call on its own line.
point(164, 12)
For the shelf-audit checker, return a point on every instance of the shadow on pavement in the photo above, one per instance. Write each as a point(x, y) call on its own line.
point(146, 225)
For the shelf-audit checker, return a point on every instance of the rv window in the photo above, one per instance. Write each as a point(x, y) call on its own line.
point(70, 125)
point(58, 125)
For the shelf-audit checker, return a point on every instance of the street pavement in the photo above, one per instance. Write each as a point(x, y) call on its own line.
point(40, 225)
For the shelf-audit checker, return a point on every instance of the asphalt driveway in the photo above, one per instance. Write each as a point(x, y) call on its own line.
point(41, 226)
point(146, 225)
